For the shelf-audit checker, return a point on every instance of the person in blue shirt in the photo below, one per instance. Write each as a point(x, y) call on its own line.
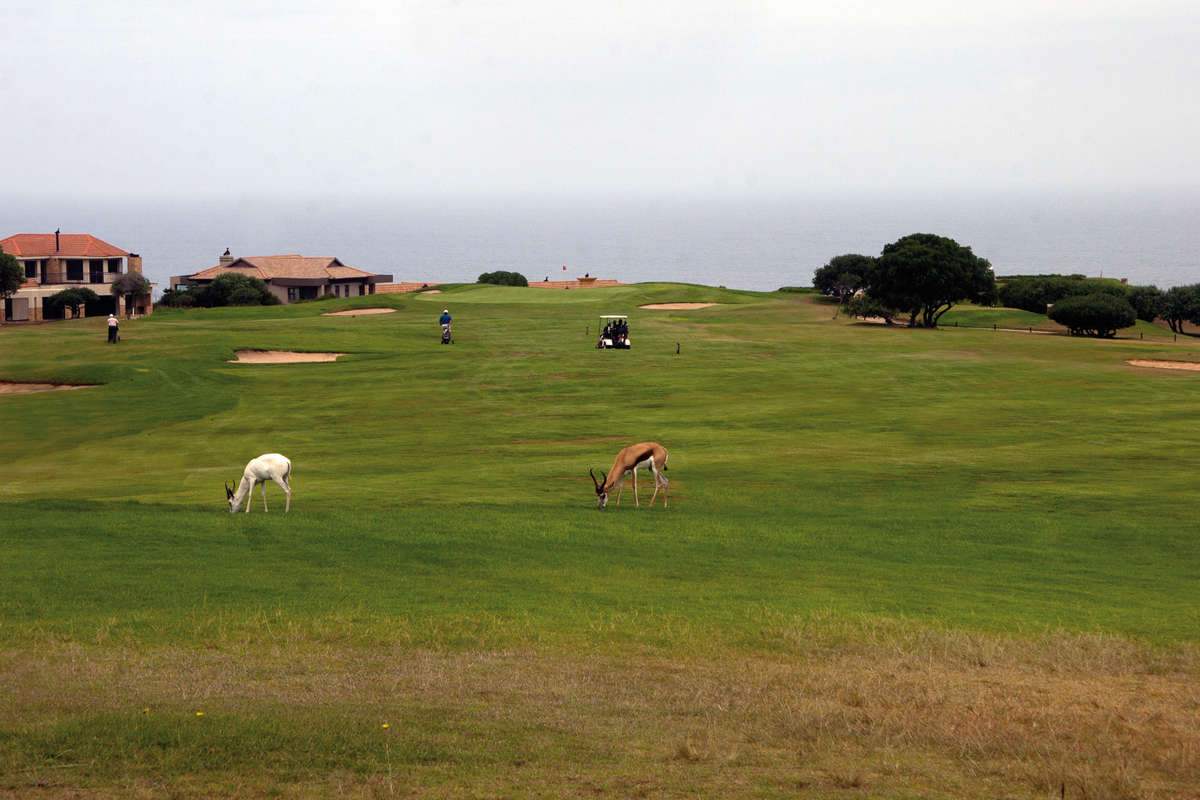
point(445, 323)
point(445, 318)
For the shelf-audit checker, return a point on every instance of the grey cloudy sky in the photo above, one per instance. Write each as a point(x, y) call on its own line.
point(597, 97)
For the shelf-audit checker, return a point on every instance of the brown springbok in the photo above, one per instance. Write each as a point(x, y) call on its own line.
point(642, 454)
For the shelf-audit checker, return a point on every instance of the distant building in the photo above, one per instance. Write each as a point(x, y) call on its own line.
point(290, 277)
point(57, 261)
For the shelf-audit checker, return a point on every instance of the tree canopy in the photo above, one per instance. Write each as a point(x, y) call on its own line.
point(130, 283)
point(924, 275)
point(503, 278)
point(11, 275)
point(843, 275)
point(1181, 304)
point(1098, 314)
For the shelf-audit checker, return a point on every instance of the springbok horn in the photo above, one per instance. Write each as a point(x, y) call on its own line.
point(593, 477)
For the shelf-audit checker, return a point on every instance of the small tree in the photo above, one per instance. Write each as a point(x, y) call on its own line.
point(127, 286)
point(73, 298)
point(863, 305)
point(1097, 314)
point(503, 278)
point(1180, 304)
point(843, 275)
point(924, 275)
point(11, 275)
point(1147, 302)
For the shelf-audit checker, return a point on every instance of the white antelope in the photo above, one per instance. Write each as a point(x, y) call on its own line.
point(642, 454)
point(267, 467)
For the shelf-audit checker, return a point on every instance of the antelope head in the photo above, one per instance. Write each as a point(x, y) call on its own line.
point(601, 492)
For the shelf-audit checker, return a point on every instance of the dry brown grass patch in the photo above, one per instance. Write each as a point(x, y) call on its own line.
point(885, 712)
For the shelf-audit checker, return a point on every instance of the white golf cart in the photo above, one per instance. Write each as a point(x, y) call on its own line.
point(614, 332)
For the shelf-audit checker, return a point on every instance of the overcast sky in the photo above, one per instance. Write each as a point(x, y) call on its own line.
point(583, 97)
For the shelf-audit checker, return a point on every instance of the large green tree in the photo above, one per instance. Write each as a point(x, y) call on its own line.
point(1098, 314)
point(11, 275)
point(924, 275)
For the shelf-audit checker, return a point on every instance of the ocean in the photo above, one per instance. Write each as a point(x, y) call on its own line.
point(743, 243)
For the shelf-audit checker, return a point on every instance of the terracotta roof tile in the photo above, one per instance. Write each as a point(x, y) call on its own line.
point(70, 245)
point(284, 266)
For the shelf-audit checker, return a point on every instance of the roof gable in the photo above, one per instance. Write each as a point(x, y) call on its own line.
point(70, 245)
point(284, 266)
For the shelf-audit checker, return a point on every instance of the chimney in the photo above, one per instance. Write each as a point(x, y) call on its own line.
point(226, 259)
point(56, 239)
point(134, 262)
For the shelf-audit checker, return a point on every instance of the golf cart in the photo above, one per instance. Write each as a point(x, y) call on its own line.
point(614, 332)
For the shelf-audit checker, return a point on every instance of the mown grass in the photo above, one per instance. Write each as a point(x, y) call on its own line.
point(893, 560)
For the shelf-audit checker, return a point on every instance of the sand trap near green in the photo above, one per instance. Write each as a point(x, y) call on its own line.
point(1191, 366)
point(677, 306)
point(359, 312)
point(281, 357)
point(16, 387)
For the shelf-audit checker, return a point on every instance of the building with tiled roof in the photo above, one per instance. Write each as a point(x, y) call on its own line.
point(57, 261)
point(290, 277)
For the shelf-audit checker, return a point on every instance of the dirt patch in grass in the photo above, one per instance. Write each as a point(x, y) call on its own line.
point(19, 387)
point(678, 306)
point(281, 357)
point(1191, 366)
point(890, 712)
point(359, 312)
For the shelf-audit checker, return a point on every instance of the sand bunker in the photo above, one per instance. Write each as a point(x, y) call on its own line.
point(358, 312)
point(13, 387)
point(280, 357)
point(1193, 366)
point(678, 306)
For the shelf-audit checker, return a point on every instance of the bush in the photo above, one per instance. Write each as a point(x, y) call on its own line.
point(1098, 314)
point(502, 278)
point(248, 291)
point(177, 298)
point(73, 298)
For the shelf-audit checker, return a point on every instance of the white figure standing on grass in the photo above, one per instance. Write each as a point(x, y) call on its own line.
point(267, 467)
point(113, 322)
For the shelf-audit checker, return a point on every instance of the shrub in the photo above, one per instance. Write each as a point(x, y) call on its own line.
point(247, 290)
point(1098, 314)
point(73, 298)
point(503, 278)
point(177, 298)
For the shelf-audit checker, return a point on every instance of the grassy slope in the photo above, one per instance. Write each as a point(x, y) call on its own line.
point(820, 469)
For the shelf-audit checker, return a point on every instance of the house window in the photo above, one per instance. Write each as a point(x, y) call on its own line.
point(74, 269)
point(96, 270)
point(114, 265)
point(31, 269)
point(293, 295)
point(361, 290)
